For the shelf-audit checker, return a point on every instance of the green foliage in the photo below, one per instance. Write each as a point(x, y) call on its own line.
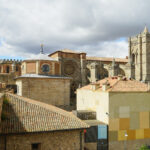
point(144, 147)
point(4, 115)
point(5, 101)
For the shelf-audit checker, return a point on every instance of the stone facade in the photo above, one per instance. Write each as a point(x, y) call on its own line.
point(73, 65)
point(35, 67)
point(8, 66)
point(139, 54)
point(83, 69)
point(55, 91)
point(61, 140)
point(9, 69)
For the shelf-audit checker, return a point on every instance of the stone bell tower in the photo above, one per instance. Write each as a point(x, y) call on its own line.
point(139, 55)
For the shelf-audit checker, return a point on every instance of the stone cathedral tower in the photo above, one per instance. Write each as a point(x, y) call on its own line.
point(139, 56)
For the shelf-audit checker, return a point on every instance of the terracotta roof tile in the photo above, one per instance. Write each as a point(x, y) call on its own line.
point(26, 115)
point(120, 85)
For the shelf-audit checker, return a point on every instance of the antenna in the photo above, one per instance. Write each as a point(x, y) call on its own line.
point(41, 50)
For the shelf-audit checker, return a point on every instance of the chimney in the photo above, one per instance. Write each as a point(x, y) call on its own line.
point(95, 86)
point(120, 77)
point(105, 86)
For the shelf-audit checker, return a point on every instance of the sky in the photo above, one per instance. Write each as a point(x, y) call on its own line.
point(97, 27)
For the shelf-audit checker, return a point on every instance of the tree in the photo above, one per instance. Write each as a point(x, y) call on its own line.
point(144, 147)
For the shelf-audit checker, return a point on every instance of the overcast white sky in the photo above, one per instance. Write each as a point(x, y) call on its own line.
point(98, 27)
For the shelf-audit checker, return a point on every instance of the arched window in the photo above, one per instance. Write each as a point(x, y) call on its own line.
point(133, 58)
point(102, 73)
point(7, 69)
point(121, 72)
point(17, 68)
point(88, 72)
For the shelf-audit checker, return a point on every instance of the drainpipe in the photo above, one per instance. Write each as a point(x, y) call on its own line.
point(5, 143)
point(80, 140)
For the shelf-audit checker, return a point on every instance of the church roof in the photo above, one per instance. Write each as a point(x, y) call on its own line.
point(66, 51)
point(109, 59)
point(41, 56)
point(42, 76)
point(21, 115)
point(118, 84)
point(70, 51)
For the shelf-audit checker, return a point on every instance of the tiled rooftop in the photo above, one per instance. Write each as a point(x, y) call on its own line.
point(25, 115)
point(116, 84)
point(67, 51)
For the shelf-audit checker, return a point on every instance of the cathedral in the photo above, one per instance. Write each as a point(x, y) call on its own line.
point(85, 69)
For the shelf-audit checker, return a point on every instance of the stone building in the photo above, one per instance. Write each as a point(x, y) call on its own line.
point(9, 69)
point(41, 79)
point(139, 54)
point(122, 104)
point(83, 69)
point(26, 124)
point(8, 66)
point(73, 64)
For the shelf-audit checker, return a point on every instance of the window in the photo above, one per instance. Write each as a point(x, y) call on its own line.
point(7, 69)
point(45, 68)
point(17, 69)
point(36, 146)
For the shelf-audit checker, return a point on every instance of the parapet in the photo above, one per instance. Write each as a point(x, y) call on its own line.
point(10, 61)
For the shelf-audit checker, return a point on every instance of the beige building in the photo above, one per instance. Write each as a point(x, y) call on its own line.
point(26, 124)
point(41, 80)
point(124, 105)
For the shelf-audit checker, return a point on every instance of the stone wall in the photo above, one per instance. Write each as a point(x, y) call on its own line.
point(48, 90)
point(7, 78)
point(61, 140)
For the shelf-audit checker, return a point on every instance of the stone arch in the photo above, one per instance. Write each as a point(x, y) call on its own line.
point(121, 72)
point(102, 73)
point(88, 75)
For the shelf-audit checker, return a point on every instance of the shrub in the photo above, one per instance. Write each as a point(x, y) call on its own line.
point(144, 147)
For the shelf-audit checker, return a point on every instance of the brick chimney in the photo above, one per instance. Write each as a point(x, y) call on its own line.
point(105, 86)
point(95, 86)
